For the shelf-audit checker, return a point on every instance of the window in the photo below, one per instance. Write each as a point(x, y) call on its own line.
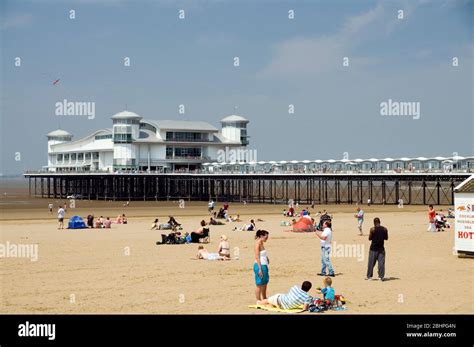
point(103, 137)
point(66, 157)
point(186, 136)
point(73, 156)
point(122, 129)
point(126, 121)
point(147, 126)
point(80, 156)
point(88, 156)
point(95, 155)
point(169, 152)
point(187, 152)
point(60, 157)
point(125, 162)
point(123, 138)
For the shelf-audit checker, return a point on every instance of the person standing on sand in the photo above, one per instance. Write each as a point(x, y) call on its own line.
point(260, 267)
point(378, 234)
point(61, 213)
point(431, 218)
point(326, 240)
point(210, 206)
point(50, 208)
point(360, 219)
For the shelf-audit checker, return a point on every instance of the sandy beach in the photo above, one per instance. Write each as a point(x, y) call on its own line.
point(122, 270)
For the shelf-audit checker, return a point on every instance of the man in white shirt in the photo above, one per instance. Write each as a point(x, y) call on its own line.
point(326, 240)
point(61, 213)
point(210, 206)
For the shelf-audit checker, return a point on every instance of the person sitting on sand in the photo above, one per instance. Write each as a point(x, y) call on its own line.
point(206, 255)
point(154, 225)
point(107, 223)
point(295, 298)
point(231, 219)
point(200, 233)
point(221, 213)
point(247, 227)
point(90, 221)
point(450, 213)
point(97, 224)
point(235, 219)
point(212, 221)
point(173, 223)
point(328, 292)
point(291, 212)
point(306, 215)
point(224, 247)
point(118, 220)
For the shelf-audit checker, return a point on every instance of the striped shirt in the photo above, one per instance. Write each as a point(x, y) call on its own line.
point(295, 298)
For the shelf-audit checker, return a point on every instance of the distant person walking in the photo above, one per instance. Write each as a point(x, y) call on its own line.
point(260, 267)
point(50, 208)
point(61, 213)
point(360, 219)
point(378, 234)
point(326, 240)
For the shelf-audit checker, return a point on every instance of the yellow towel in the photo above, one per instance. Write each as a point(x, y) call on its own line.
point(276, 309)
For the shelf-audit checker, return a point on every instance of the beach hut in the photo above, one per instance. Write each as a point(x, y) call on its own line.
point(464, 214)
point(76, 222)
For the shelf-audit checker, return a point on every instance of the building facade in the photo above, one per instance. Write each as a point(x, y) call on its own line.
point(137, 144)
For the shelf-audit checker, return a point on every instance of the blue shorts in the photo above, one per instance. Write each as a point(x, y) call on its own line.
point(265, 278)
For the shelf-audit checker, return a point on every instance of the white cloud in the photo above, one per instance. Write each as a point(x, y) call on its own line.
point(308, 57)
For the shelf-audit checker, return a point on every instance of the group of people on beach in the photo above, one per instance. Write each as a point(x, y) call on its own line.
point(298, 296)
point(437, 220)
point(223, 252)
point(101, 222)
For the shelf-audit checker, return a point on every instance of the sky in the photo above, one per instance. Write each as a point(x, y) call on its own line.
point(282, 62)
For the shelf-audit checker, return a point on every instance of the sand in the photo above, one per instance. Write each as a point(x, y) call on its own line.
point(122, 270)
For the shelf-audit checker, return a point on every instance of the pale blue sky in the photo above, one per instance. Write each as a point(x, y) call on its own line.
point(190, 62)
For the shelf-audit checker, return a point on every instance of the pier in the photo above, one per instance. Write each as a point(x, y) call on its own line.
point(274, 188)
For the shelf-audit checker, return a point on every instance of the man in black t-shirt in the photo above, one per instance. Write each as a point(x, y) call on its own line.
point(378, 234)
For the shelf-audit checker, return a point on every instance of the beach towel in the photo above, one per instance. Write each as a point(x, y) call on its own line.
point(276, 309)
